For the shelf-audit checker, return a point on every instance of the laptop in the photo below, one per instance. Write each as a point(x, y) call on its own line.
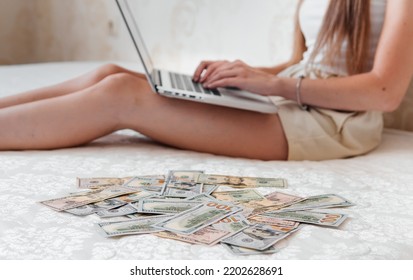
point(177, 85)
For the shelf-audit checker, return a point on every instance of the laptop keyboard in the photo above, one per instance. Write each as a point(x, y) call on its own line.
point(184, 82)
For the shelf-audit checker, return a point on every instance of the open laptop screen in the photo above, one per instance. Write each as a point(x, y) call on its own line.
point(127, 7)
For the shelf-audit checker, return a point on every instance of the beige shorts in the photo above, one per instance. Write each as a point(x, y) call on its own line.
point(321, 134)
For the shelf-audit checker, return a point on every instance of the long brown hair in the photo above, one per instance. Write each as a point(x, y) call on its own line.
point(346, 20)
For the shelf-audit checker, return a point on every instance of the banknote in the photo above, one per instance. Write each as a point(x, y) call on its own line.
point(310, 217)
point(152, 183)
point(232, 224)
point(244, 195)
point(183, 176)
point(83, 191)
point(201, 197)
point(198, 217)
point(208, 188)
point(242, 182)
point(247, 252)
point(275, 223)
point(121, 211)
point(89, 183)
point(319, 201)
point(177, 191)
point(136, 216)
point(257, 237)
point(260, 205)
point(69, 202)
point(283, 199)
point(134, 226)
point(95, 207)
point(207, 236)
point(136, 196)
point(162, 206)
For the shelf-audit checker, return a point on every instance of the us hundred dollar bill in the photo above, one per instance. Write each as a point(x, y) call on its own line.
point(162, 206)
point(247, 252)
point(256, 237)
point(134, 226)
point(95, 207)
point(242, 182)
point(233, 224)
point(184, 176)
point(207, 236)
point(198, 217)
point(238, 195)
point(121, 211)
point(151, 183)
point(310, 217)
point(319, 201)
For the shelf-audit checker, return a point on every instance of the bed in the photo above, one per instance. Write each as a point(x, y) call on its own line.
point(379, 183)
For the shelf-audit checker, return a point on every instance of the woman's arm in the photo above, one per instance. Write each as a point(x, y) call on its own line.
point(381, 89)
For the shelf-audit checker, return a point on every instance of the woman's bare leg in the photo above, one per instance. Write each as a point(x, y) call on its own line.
point(126, 101)
point(79, 83)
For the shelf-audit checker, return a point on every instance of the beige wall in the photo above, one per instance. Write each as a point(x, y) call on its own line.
point(258, 31)
point(16, 32)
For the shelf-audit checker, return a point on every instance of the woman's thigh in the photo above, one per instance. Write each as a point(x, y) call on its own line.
point(207, 128)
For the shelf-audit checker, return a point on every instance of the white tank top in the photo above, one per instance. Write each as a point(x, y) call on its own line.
point(311, 17)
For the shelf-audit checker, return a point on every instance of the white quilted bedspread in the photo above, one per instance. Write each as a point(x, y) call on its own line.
point(380, 183)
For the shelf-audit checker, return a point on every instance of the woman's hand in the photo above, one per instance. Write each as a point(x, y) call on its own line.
point(213, 74)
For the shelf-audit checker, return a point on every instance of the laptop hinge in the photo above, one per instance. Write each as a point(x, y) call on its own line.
point(156, 74)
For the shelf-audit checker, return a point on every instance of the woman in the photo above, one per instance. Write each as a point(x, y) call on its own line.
point(346, 68)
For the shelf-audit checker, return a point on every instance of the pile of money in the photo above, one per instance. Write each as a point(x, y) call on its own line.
point(198, 208)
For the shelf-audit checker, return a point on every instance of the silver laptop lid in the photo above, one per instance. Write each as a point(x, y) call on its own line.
point(126, 7)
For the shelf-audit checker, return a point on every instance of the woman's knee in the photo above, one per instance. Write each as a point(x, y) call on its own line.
point(104, 71)
point(124, 89)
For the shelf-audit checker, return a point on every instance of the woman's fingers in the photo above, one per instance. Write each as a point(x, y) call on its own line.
point(222, 74)
point(206, 69)
point(200, 69)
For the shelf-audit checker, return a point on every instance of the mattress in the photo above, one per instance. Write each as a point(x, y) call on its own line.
point(379, 183)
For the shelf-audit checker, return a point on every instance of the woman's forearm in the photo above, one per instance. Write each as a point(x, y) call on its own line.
point(363, 92)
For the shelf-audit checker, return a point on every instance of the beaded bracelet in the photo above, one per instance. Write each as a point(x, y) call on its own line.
point(298, 93)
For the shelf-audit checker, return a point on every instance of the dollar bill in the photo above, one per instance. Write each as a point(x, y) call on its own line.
point(282, 199)
point(207, 236)
point(184, 176)
point(310, 217)
point(233, 224)
point(203, 197)
point(240, 251)
point(276, 223)
point(133, 197)
point(319, 201)
point(238, 195)
point(121, 211)
point(257, 237)
point(162, 206)
point(198, 217)
point(208, 188)
point(95, 207)
point(152, 183)
point(242, 182)
point(260, 205)
point(69, 202)
point(136, 216)
point(90, 183)
point(135, 226)
point(183, 192)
